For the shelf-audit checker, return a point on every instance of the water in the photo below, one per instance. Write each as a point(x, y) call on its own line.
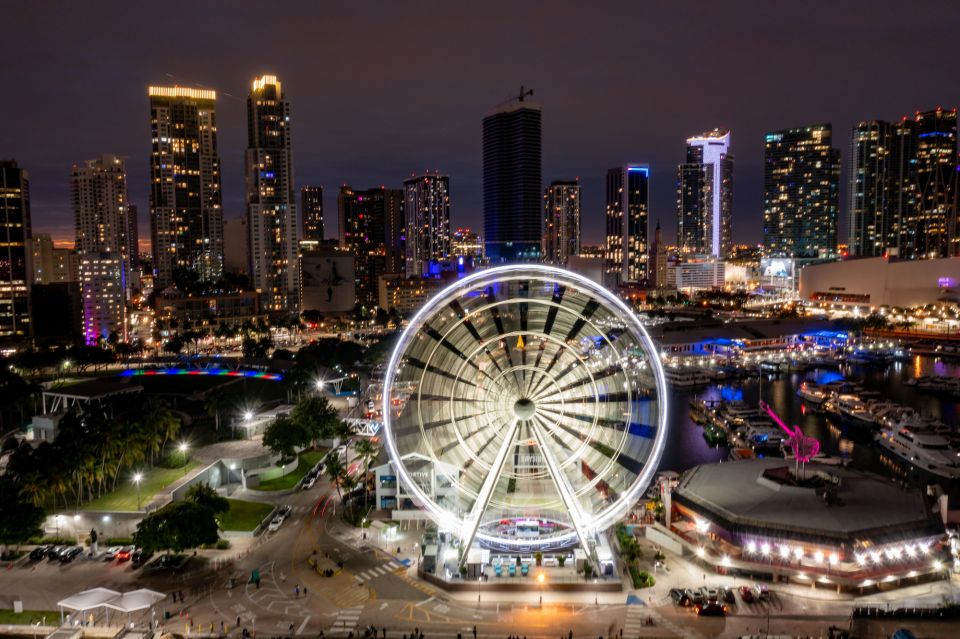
point(686, 446)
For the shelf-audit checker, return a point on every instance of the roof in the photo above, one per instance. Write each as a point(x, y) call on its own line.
point(89, 599)
point(739, 494)
point(104, 597)
point(683, 333)
point(95, 388)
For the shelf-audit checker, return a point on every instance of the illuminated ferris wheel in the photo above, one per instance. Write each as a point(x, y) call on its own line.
point(525, 407)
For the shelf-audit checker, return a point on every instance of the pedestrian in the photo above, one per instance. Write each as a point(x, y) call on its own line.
point(305, 593)
point(475, 633)
point(384, 632)
point(296, 591)
point(181, 596)
point(174, 593)
point(223, 630)
point(238, 621)
point(291, 629)
point(570, 634)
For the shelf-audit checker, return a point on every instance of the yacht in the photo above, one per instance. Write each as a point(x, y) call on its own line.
point(685, 377)
point(813, 393)
point(927, 451)
point(850, 410)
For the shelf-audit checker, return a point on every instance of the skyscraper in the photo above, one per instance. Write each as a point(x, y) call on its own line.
point(801, 192)
point(427, 229)
point(930, 226)
point(311, 209)
point(101, 212)
point(371, 228)
point(14, 237)
point(903, 187)
point(133, 234)
point(626, 254)
point(186, 218)
point(512, 181)
point(871, 222)
point(561, 221)
point(705, 195)
point(271, 198)
point(102, 297)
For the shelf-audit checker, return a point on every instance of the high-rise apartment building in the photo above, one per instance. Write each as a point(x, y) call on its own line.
point(371, 228)
point(466, 244)
point(271, 197)
point(311, 209)
point(101, 212)
point(14, 237)
point(49, 264)
point(186, 217)
point(512, 183)
point(705, 195)
point(626, 253)
point(427, 230)
point(133, 234)
point(903, 187)
point(561, 222)
point(801, 192)
point(102, 297)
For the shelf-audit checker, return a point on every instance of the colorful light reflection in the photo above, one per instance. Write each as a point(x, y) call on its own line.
point(220, 372)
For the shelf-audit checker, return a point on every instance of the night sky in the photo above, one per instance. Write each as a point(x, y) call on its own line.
point(380, 90)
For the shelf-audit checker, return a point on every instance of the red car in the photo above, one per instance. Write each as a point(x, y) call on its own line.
point(124, 553)
point(746, 593)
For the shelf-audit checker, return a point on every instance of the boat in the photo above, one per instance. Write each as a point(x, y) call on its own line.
point(924, 450)
point(685, 377)
point(850, 410)
point(813, 393)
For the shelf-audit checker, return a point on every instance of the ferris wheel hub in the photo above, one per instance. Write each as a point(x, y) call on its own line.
point(524, 408)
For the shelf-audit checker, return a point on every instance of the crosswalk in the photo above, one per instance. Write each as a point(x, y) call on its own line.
point(638, 624)
point(379, 571)
point(347, 619)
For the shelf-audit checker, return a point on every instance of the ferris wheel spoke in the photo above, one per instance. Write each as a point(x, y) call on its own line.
point(472, 521)
point(566, 494)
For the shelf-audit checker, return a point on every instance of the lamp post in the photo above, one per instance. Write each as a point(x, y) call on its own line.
point(137, 478)
point(541, 578)
point(183, 451)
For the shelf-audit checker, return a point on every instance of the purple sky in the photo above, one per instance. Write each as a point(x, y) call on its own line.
point(379, 90)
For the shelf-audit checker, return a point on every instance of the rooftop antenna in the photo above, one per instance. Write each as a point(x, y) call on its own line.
point(524, 92)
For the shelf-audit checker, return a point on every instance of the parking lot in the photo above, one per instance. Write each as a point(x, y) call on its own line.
point(717, 600)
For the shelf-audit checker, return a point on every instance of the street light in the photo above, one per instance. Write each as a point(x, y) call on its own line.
point(540, 579)
point(183, 451)
point(247, 416)
point(137, 478)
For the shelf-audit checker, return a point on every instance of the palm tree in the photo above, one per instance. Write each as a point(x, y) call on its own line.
point(159, 423)
point(216, 402)
point(336, 471)
point(367, 451)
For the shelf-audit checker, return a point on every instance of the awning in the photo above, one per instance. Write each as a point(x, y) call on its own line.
point(89, 599)
point(134, 600)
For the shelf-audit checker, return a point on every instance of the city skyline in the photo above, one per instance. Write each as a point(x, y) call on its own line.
point(440, 129)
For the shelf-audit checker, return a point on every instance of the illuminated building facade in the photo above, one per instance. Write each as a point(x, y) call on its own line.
point(466, 244)
point(801, 192)
point(406, 294)
point(903, 187)
point(371, 228)
point(186, 218)
point(705, 195)
point(512, 182)
point(628, 203)
point(101, 212)
point(14, 238)
point(561, 222)
point(271, 198)
point(311, 209)
point(102, 297)
point(427, 228)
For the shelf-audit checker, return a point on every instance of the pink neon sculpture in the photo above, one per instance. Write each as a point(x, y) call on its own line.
point(804, 448)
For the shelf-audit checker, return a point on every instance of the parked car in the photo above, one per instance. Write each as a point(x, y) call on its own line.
point(125, 553)
point(711, 609)
point(696, 596)
point(711, 594)
point(140, 557)
point(275, 523)
point(111, 553)
point(761, 591)
point(746, 593)
point(70, 553)
point(309, 481)
point(284, 511)
point(680, 597)
point(727, 595)
point(39, 552)
point(54, 552)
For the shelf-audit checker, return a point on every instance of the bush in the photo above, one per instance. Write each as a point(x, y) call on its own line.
point(561, 559)
point(641, 578)
point(11, 555)
point(117, 541)
point(223, 544)
point(55, 541)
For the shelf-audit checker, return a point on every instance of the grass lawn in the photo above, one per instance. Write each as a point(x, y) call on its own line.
point(244, 515)
point(124, 498)
point(25, 617)
point(307, 461)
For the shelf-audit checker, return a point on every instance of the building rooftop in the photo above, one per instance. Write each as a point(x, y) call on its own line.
point(746, 494)
point(693, 332)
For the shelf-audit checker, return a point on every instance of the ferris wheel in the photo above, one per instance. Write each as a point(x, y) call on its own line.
point(525, 407)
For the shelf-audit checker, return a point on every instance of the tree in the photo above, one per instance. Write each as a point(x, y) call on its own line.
point(20, 518)
point(283, 436)
point(336, 471)
point(177, 526)
point(206, 496)
point(367, 451)
point(316, 417)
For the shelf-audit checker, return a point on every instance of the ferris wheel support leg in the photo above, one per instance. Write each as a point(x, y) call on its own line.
point(566, 494)
point(470, 525)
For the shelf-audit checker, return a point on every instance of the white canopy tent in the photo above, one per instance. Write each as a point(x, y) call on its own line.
point(128, 602)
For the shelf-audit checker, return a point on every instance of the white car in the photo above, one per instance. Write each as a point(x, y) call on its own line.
point(275, 524)
point(309, 481)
